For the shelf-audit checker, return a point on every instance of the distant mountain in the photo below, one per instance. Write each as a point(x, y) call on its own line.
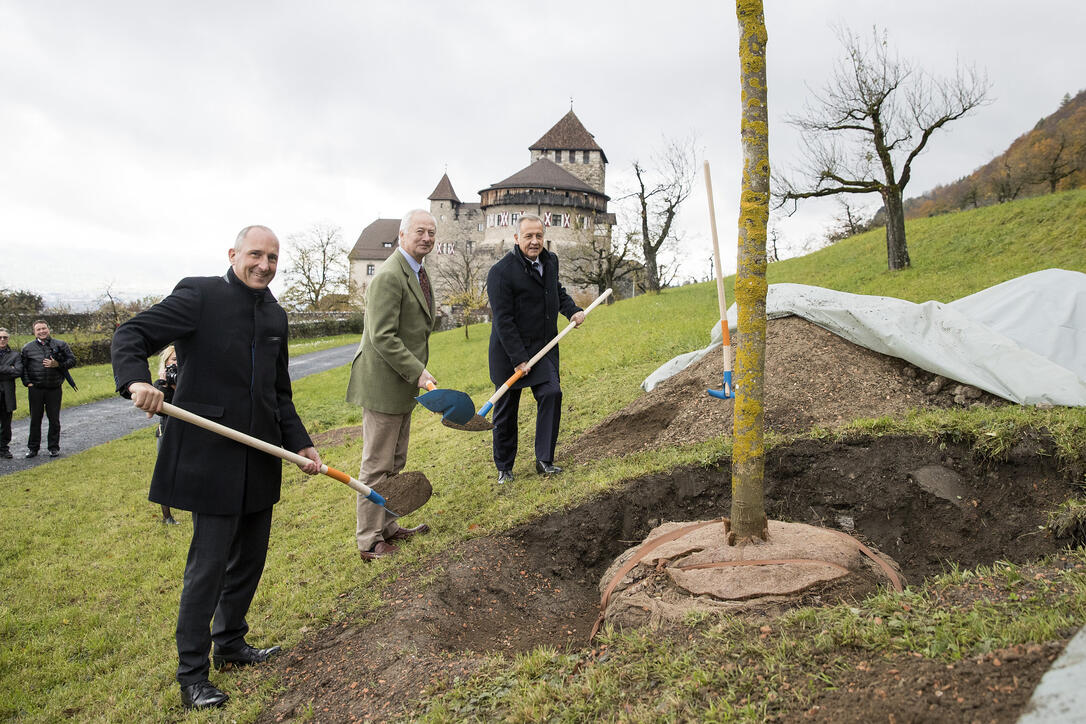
point(1051, 157)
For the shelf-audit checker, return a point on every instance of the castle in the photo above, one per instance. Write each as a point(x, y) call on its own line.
point(563, 184)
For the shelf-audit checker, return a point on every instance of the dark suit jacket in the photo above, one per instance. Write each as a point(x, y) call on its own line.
point(11, 369)
point(525, 309)
point(231, 347)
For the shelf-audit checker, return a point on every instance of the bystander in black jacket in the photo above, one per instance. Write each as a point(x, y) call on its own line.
point(37, 374)
point(11, 369)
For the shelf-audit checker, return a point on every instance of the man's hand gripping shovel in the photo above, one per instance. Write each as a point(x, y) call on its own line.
point(353, 483)
point(478, 422)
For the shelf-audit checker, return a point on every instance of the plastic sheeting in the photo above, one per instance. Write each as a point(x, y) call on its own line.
point(1024, 340)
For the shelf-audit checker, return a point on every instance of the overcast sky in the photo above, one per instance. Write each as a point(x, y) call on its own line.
point(138, 137)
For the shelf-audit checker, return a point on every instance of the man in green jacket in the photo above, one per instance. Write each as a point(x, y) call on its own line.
point(388, 370)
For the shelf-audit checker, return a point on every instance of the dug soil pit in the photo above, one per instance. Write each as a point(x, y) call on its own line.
point(812, 377)
point(924, 503)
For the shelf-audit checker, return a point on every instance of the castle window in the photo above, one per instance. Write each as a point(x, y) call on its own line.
point(587, 155)
point(480, 227)
point(558, 157)
point(387, 244)
point(370, 269)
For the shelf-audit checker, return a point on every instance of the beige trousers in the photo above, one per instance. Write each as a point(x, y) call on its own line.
point(384, 453)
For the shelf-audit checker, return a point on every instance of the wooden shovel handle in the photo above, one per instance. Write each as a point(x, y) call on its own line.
point(267, 447)
point(538, 356)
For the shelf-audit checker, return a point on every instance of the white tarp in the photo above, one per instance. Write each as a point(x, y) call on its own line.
point(1024, 340)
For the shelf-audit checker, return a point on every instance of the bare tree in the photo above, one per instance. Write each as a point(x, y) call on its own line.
point(316, 274)
point(660, 189)
point(863, 131)
point(600, 260)
point(460, 279)
point(1055, 158)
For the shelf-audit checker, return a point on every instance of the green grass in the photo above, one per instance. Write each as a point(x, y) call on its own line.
point(90, 580)
point(954, 255)
point(95, 382)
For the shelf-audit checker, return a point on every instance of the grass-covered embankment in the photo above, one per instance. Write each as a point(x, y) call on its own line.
point(90, 581)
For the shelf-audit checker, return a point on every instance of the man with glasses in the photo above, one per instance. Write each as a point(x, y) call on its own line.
point(11, 369)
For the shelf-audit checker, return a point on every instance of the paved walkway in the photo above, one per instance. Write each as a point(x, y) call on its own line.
point(1060, 697)
point(85, 426)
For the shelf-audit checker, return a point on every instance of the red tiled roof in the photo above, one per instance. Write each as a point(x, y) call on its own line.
point(371, 242)
point(444, 191)
point(568, 133)
point(544, 174)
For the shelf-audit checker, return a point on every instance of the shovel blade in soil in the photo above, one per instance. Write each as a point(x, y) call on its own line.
point(477, 423)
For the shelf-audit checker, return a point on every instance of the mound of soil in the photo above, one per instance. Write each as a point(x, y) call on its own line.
point(812, 377)
point(537, 584)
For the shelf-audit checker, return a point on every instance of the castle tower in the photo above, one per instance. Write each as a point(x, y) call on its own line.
point(569, 144)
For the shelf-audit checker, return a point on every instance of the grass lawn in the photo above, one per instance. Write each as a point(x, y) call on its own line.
point(90, 580)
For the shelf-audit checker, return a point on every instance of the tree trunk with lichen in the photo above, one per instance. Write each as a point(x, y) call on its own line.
point(748, 518)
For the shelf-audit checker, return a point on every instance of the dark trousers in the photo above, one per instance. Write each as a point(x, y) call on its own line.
point(548, 413)
point(5, 427)
point(226, 560)
point(47, 400)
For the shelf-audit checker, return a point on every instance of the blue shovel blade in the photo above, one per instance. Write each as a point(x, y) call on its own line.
point(454, 406)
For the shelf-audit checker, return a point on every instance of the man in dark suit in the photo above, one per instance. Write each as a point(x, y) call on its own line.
point(525, 299)
point(231, 341)
point(11, 369)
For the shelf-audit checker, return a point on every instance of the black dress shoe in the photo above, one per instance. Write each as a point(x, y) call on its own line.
point(546, 468)
point(245, 656)
point(54, 453)
point(31, 453)
point(202, 695)
point(5, 454)
point(405, 533)
point(505, 476)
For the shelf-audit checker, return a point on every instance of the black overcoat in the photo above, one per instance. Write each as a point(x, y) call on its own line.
point(525, 309)
point(231, 344)
point(11, 369)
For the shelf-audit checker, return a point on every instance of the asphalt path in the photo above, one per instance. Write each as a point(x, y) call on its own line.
point(85, 426)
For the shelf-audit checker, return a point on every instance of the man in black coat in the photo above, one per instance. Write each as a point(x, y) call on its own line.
point(230, 337)
point(525, 299)
point(11, 369)
point(46, 362)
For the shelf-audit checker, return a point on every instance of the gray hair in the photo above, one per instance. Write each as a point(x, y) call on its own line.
point(406, 220)
point(4, 329)
point(527, 217)
point(240, 241)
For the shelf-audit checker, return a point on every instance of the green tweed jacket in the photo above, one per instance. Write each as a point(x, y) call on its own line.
point(395, 343)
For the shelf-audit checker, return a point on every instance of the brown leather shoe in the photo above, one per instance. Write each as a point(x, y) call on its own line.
point(405, 533)
point(380, 550)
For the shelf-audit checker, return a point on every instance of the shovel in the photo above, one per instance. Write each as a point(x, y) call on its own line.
point(353, 483)
point(454, 406)
point(478, 421)
point(727, 392)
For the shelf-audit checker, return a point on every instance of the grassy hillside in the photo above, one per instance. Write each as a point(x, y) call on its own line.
point(954, 255)
point(91, 581)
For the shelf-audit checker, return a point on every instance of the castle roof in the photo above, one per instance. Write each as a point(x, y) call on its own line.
point(444, 191)
point(568, 133)
point(372, 242)
point(544, 174)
